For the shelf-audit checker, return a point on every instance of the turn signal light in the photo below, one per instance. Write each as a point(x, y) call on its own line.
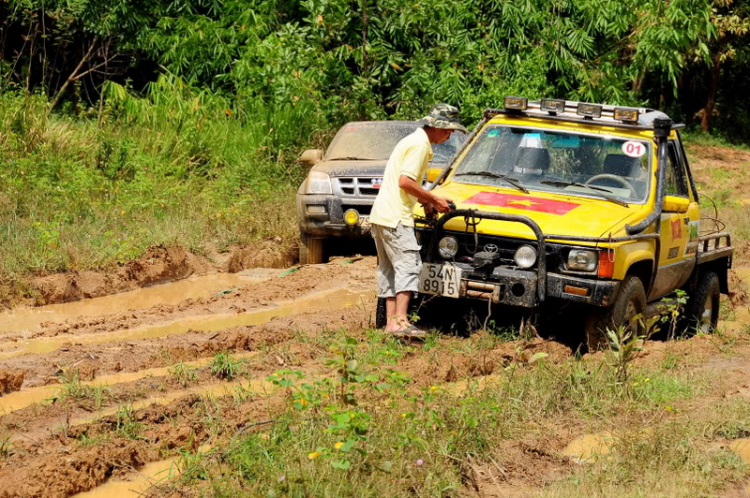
point(516, 103)
point(589, 110)
point(626, 115)
point(578, 291)
point(606, 264)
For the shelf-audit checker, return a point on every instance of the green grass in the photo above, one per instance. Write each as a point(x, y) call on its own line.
point(169, 168)
point(368, 431)
point(224, 366)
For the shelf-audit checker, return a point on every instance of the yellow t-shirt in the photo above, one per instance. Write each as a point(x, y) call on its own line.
point(410, 157)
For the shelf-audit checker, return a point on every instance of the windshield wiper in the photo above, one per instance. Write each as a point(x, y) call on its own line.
point(353, 158)
point(512, 181)
point(559, 183)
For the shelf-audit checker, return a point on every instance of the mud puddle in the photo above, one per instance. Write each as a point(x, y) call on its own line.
point(21, 399)
point(151, 474)
point(333, 300)
point(170, 294)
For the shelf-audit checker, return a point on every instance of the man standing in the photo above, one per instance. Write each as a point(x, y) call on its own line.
point(399, 263)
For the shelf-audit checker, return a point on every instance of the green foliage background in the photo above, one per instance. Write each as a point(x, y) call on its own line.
point(125, 124)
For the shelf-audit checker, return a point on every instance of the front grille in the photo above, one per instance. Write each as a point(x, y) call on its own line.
point(360, 186)
point(506, 248)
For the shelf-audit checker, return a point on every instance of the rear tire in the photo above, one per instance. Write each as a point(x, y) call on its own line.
point(310, 250)
point(630, 301)
point(702, 309)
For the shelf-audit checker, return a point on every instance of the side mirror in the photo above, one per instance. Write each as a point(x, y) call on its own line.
point(311, 157)
point(433, 174)
point(674, 204)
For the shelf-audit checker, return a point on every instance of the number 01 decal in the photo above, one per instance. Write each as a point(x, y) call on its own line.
point(633, 149)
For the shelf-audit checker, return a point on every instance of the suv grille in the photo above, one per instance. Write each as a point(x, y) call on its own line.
point(360, 186)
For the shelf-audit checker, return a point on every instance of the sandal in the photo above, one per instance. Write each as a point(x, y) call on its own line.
point(410, 332)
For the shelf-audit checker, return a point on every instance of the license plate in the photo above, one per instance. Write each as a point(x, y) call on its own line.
point(440, 280)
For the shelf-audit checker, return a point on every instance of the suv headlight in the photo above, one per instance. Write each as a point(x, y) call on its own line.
point(525, 256)
point(318, 183)
point(448, 247)
point(582, 260)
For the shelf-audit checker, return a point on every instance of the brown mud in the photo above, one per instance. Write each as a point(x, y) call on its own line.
point(124, 348)
point(158, 265)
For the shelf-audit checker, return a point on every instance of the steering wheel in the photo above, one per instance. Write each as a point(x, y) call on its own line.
point(617, 179)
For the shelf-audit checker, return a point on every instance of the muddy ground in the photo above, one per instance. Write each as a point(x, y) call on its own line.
point(72, 374)
point(267, 317)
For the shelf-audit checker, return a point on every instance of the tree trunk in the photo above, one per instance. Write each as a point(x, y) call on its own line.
point(72, 76)
point(708, 111)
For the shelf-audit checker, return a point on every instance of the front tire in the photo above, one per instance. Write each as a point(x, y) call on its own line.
point(702, 309)
point(310, 250)
point(630, 301)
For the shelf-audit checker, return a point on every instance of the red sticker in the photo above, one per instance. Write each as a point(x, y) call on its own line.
point(538, 204)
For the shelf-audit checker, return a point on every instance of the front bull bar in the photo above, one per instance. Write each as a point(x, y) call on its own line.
point(467, 214)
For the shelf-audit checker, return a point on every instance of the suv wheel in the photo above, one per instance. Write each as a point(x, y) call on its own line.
point(702, 309)
point(630, 301)
point(310, 250)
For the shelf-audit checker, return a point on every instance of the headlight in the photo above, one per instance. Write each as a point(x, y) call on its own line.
point(318, 183)
point(525, 256)
point(582, 260)
point(448, 247)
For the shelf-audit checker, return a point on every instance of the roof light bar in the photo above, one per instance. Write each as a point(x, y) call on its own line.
point(626, 115)
point(516, 103)
point(553, 106)
point(589, 110)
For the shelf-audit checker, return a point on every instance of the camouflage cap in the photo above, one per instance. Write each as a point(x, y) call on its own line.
point(443, 116)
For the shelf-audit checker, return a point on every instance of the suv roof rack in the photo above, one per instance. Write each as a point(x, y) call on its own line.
point(569, 113)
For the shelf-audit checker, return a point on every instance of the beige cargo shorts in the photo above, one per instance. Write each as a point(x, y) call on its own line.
point(399, 263)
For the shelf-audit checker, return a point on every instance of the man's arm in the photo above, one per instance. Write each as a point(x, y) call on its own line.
point(410, 186)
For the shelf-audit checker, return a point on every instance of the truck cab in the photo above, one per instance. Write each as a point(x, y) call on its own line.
point(565, 203)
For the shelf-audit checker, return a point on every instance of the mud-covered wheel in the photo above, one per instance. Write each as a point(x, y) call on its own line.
point(380, 316)
point(702, 309)
point(310, 250)
point(630, 301)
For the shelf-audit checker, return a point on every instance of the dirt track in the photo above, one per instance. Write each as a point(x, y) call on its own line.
point(269, 319)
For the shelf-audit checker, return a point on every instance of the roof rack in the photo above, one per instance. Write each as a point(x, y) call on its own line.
point(570, 111)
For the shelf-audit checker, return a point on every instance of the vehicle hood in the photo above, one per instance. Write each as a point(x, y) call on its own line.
point(356, 168)
point(555, 214)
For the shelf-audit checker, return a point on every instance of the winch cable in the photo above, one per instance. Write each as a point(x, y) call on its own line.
point(473, 224)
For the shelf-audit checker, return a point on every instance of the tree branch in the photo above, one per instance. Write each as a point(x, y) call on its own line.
point(73, 76)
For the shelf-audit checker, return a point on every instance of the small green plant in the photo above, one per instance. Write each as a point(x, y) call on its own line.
point(224, 366)
point(183, 373)
point(126, 424)
point(73, 388)
point(672, 312)
point(625, 344)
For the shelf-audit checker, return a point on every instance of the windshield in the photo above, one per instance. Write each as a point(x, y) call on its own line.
point(589, 165)
point(376, 140)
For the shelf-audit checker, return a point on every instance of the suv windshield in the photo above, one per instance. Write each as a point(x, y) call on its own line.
point(552, 161)
point(376, 140)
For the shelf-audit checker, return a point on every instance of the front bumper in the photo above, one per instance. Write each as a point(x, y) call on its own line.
point(526, 288)
point(331, 222)
point(514, 287)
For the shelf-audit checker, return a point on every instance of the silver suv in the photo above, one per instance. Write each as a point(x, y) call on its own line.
point(335, 199)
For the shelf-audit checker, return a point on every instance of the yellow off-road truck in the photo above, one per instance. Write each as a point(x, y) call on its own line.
point(575, 210)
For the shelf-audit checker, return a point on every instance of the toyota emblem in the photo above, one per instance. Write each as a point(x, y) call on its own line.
point(492, 248)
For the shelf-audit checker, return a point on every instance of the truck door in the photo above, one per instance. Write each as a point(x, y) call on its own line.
point(679, 227)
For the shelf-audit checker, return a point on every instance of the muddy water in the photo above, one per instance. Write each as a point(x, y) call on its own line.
point(149, 475)
point(173, 293)
point(333, 300)
point(21, 399)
